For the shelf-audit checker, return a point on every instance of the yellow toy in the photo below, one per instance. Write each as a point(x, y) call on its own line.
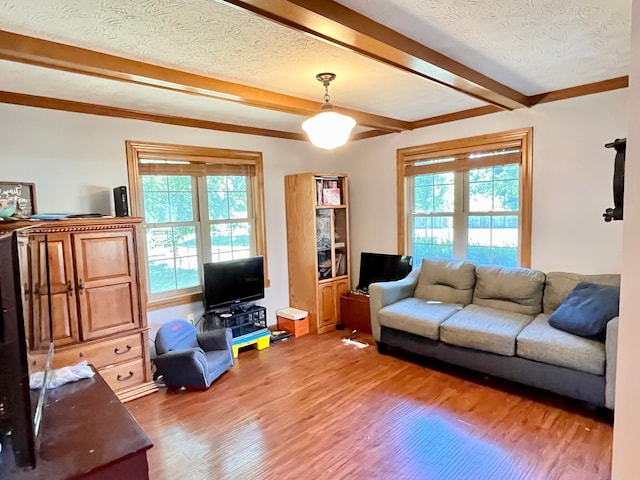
point(259, 338)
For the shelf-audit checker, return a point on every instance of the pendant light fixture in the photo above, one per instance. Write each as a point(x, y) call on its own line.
point(328, 129)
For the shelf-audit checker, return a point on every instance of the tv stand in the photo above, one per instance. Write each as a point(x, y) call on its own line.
point(241, 307)
point(241, 319)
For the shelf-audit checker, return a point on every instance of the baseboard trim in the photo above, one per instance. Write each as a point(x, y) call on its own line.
point(137, 391)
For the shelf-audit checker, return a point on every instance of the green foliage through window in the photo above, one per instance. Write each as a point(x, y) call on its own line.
point(490, 206)
point(227, 197)
point(174, 249)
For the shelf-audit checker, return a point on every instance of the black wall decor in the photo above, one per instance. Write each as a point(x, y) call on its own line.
point(615, 213)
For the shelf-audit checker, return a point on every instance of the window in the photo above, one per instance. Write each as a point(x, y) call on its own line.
point(468, 198)
point(199, 205)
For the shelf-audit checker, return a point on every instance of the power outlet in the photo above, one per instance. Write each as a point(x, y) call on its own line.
point(191, 318)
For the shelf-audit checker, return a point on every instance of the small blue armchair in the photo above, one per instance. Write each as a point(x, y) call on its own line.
point(186, 358)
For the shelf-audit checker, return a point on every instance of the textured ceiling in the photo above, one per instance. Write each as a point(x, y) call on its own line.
point(218, 40)
point(534, 46)
point(529, 45)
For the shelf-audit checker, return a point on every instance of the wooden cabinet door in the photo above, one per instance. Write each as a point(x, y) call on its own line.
point(61, 288)
point(329, 294)
point(327, 301)
point(25, 285)
point(340, 288)
point(106, 281)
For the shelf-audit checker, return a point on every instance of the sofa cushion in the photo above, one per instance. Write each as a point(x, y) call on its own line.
point(417, 316)
point(448, 281)
point(484, 329)
point(560, 284)
point(541, 342)
point(517, 290)
point(587, 309)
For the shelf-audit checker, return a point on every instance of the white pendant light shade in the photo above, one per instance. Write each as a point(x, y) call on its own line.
point(329, 129)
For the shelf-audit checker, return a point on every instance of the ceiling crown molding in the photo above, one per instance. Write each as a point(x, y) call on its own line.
point(107, 111)
point(581, 90)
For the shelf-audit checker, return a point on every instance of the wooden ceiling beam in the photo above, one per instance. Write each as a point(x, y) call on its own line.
point(342, 26)
point(452, 117)
point(369, 134)
point(34, 51)
point(106, 111)
point(581, 90)
point(73, 106)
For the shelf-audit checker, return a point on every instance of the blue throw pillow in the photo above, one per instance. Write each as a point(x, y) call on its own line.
point(587, 309)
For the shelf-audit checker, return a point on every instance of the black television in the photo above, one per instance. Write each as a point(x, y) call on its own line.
point(233, 282)
point(382, 267)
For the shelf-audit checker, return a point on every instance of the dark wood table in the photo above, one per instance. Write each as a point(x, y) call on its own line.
point(86, 433)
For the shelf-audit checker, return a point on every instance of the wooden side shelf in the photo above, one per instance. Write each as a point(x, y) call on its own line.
point(355, 313)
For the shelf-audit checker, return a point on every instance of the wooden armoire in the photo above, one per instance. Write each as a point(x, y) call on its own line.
point(87, 273)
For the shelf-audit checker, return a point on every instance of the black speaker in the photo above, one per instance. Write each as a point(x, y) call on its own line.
point(120, 201)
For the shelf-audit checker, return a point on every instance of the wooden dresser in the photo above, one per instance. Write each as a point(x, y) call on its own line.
point(97, 298)
point(85, 434)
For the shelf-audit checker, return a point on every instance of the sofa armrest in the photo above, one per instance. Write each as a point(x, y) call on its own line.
point(218, 339)
point(385, 293)
point(611, 347)
point(183, 368)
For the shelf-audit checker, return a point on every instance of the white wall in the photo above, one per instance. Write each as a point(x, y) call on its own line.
point(572, 180)
point(75, 160)
point(626, 464)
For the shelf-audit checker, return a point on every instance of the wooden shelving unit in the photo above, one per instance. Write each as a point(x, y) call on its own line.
point(318, 245)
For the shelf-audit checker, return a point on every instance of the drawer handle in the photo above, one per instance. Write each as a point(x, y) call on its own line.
point(117, 350)
point(122, 379)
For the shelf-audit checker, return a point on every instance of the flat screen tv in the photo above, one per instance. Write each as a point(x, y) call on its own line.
point(233, 282)
point(382, 267)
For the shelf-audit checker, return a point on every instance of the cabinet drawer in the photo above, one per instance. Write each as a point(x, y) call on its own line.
point(99, 354)
point(113, 351)
point(124, 375)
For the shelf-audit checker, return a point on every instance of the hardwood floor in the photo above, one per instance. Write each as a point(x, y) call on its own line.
point(315, 408)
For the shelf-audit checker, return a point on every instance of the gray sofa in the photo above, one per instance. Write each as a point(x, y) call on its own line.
point(495, 320)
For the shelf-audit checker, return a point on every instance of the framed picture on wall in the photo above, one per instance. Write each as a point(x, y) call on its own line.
point(17, 199)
